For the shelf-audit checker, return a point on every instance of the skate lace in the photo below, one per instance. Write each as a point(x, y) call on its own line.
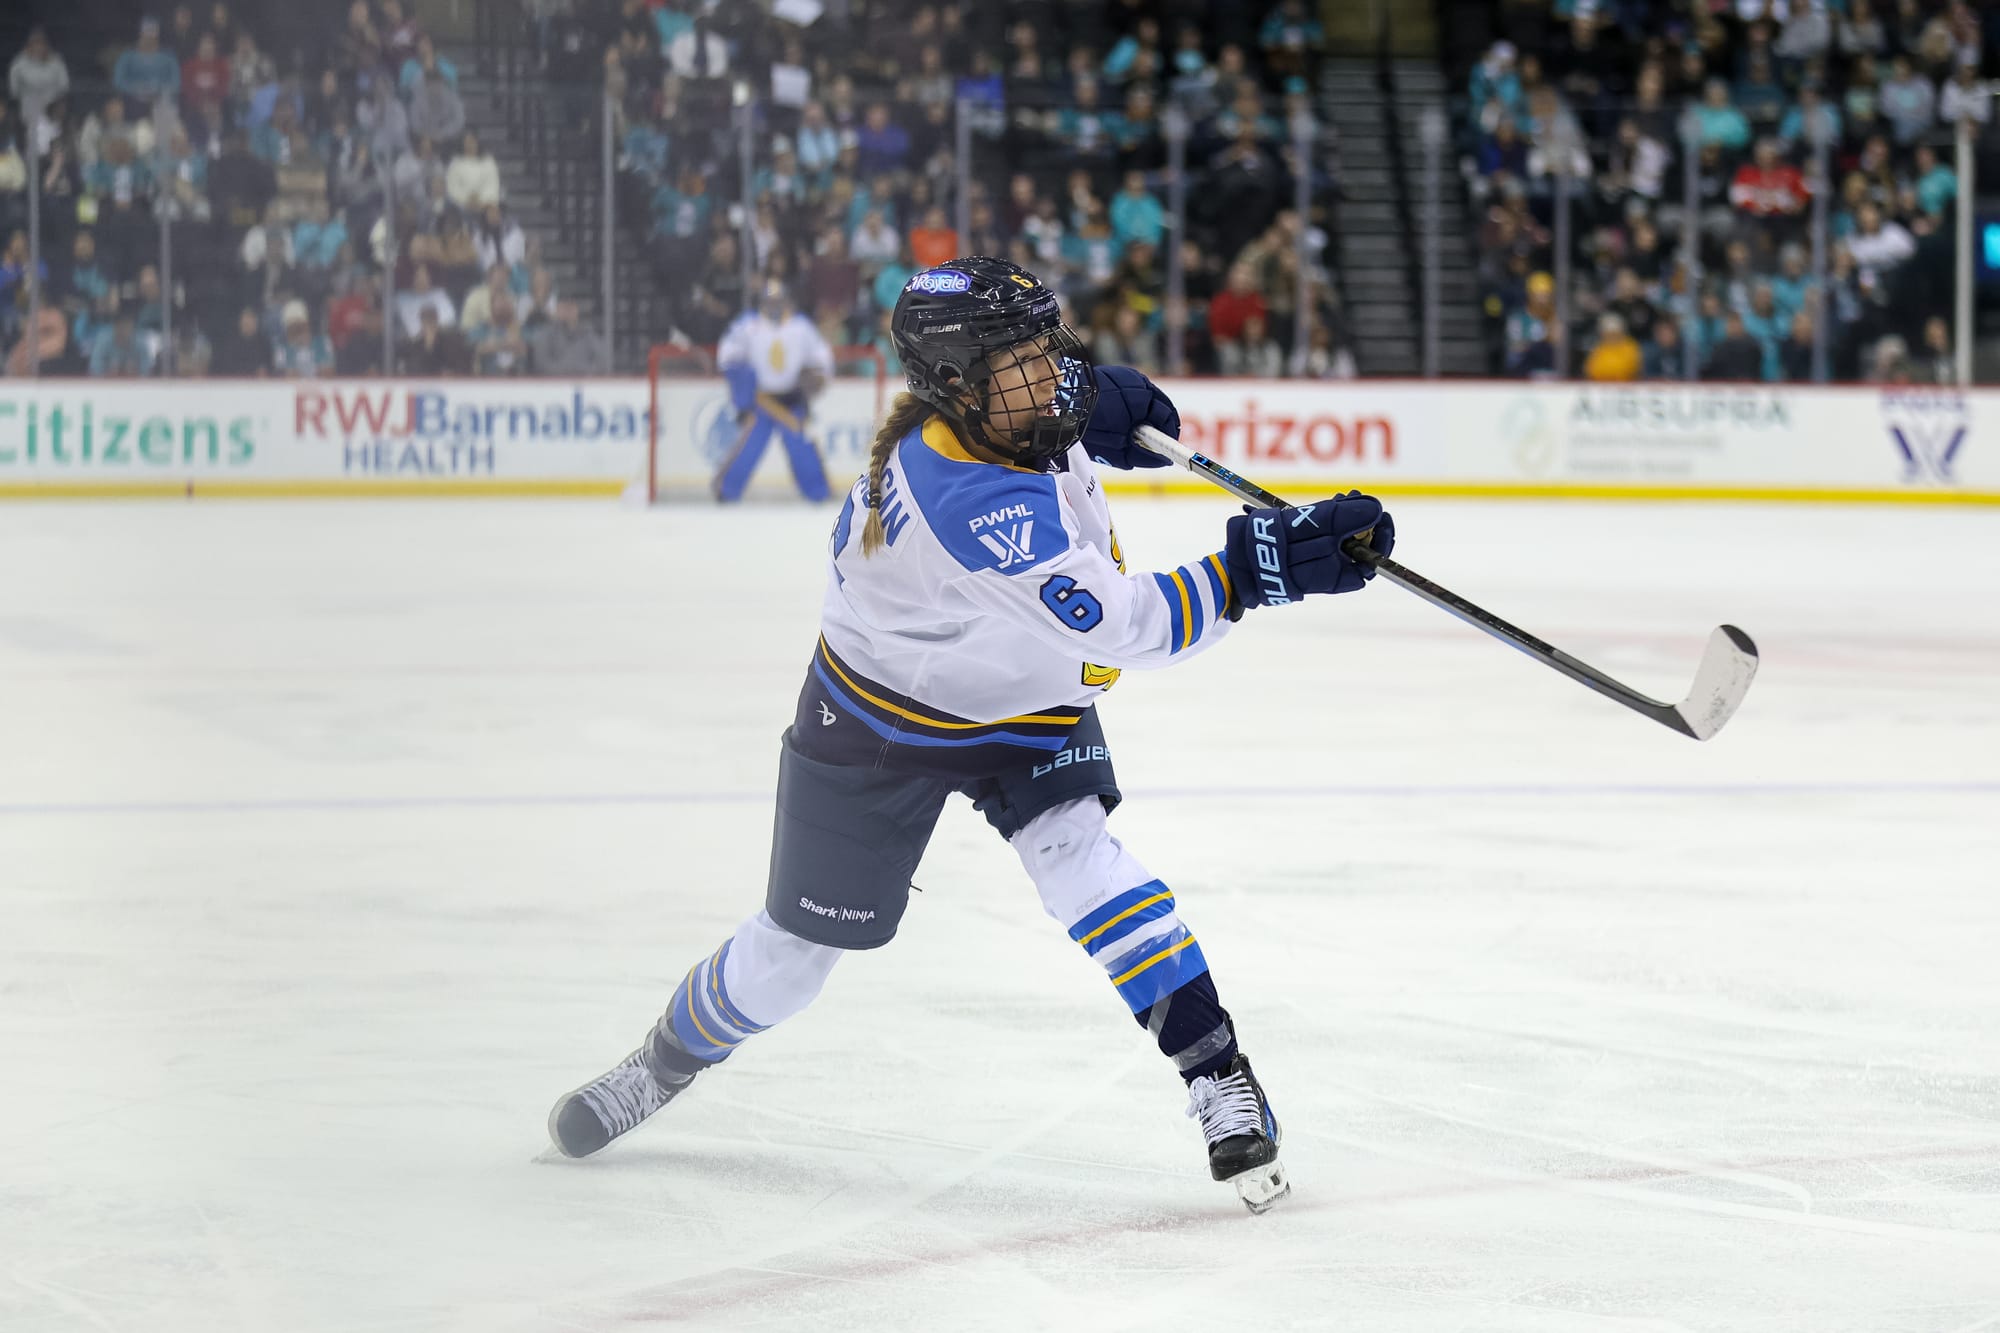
point(625, 1096)
point(1225, 1107)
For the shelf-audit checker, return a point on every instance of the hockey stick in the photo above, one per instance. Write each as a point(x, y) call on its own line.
point(1728, 665)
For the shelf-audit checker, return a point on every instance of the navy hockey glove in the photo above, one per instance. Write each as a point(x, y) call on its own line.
point(1127, 400)
point(1276, 556)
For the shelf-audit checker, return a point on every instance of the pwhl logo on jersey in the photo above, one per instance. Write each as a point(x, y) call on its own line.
point(1010, 542)
point(1928, 428)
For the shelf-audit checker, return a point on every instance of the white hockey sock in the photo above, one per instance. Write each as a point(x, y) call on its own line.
point(760, 976)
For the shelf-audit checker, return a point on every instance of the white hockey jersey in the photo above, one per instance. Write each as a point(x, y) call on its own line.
point(995, 614)
point(778, 350)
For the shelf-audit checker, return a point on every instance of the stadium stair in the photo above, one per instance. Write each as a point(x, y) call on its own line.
point(1376, 261)
point(545, 138)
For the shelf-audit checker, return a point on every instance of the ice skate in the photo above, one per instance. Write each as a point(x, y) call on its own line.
point(1242, 1134)
point(612, 1104)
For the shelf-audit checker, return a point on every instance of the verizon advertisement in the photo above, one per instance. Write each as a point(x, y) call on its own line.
point(527, 437)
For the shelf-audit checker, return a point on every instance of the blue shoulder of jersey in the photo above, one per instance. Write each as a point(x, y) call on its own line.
point(988, 516)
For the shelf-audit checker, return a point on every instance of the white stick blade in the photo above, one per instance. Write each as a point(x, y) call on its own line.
point(1727, 667)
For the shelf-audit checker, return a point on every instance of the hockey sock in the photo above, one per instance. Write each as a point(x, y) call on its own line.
point(762, 970)
point(1193, 1029)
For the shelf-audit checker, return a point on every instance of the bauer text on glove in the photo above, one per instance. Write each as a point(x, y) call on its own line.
point(1276, 556)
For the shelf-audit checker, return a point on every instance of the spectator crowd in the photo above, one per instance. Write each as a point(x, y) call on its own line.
point(223, 196)
point(854, 164)
point(1612, 105)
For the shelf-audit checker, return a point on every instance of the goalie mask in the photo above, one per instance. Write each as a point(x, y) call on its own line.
point(983, 341)
point(773, 300)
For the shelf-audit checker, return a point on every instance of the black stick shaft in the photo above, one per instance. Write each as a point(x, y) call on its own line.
point(1402, 576)
point(1443, 598)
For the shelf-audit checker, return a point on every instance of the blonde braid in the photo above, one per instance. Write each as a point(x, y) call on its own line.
point(904, 415)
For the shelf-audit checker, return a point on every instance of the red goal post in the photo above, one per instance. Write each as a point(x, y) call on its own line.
point(691, 426)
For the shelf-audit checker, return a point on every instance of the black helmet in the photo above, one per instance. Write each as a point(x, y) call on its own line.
point(954, 321)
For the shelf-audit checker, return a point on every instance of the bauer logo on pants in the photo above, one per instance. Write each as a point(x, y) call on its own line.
point(1081, 754)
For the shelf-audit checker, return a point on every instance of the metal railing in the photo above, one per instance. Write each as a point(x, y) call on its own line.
point(588, 180)
point(1758, 228)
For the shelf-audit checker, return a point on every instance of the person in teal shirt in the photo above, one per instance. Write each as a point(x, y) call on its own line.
point(1135, 214)
point(889, 283)
point(681, 211)
point(1707, 326)
point(1792, 286)
point(119, 351)
point(145, 73)
point(1814, 115)
point(1091, 253)
point(865, 198)
point(1086, 127)
point(646, 150)
point(1762, 322)
point(1494, 80)
point(1937, 184)
point(1718, 122)
point(118, 174)
point(412, 76)
point(317, 238)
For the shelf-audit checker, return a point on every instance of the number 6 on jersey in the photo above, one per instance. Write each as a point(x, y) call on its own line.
point(1074, 606)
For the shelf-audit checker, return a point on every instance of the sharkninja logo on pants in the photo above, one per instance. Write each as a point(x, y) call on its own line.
point(838, 913)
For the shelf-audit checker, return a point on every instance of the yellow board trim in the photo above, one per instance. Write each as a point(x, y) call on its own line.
point(1187, 612)
point(244, 488)
point(1556, 490)
point(1136, 907)
point(1158, 957)
point(1053, 719)
point(942, 439)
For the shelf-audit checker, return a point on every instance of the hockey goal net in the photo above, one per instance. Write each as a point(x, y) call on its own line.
point(692, 426)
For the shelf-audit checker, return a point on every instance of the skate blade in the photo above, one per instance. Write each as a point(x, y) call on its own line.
point(1262, 1186)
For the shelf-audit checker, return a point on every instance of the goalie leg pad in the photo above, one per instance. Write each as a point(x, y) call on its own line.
point(741, 464)
point(808, 468)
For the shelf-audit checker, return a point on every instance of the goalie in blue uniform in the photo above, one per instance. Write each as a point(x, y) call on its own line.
point(977, 603)
point(776, 363)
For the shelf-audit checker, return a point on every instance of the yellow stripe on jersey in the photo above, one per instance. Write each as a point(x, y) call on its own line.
point(1052, 719)
point(1187, 612)
point(1228, 589)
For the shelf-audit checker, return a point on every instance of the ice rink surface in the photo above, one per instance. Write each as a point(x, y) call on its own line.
point(337, 841)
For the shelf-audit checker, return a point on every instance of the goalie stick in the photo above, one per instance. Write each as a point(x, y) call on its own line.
point(1728, 665)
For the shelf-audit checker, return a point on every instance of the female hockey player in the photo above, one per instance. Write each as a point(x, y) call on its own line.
point(976, 604)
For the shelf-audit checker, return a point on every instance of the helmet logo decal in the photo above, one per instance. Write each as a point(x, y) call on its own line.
point(1025, 282)
point(940, 280)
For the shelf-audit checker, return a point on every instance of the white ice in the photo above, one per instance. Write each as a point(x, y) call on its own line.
point(337, 840)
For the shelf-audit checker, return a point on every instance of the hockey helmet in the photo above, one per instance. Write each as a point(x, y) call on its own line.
point(984, 342)
point(774, 300)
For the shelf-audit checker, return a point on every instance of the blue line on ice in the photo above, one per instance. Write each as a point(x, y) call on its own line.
point(556, 800)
